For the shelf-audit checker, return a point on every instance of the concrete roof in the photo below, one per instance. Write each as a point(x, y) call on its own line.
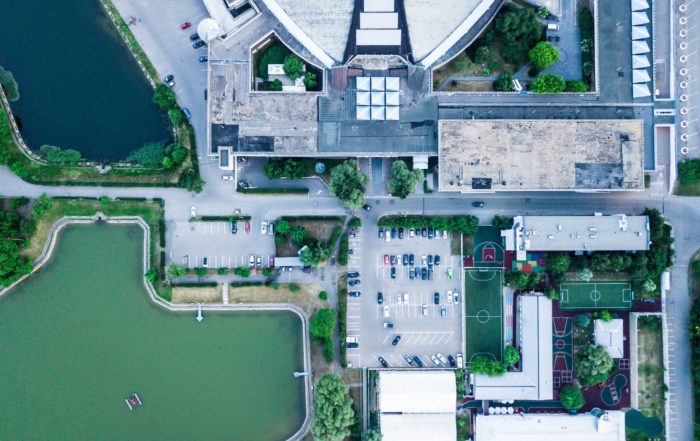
point(534, 381)
point(423, 427)
point(610, 335)
point(550, 427)
point(577, 233)
point(417, 392)
point(326, 22)
point(541, 154)
point(431, 21)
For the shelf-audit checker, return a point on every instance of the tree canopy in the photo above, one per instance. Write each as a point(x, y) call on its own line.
point(175, 271)
point(150, 154)
point(548, 83)
point(333, 414)
point(504, 83)
point(571, 398)
point(519, 29)
point(511, 355)
point(322, 323)
point(593, 365)
point(348, 183)
point(576, 86)
point(164, 97)
point(486, 366)
point(293, 66)
point(543, 54)
point(9, 84)
point(403, 181)
point(483, 55)
point(57, 155)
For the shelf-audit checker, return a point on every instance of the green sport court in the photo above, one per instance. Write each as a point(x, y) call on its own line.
point(595, 295)
point(483, 301)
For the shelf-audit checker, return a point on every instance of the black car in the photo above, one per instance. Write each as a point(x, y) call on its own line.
point(411, 259)
point(412, 273)
point(424, 232)
point(418, 361)
point(353, 275)
point(168, 78)
point(430, 232)
point(430, 260)
point(194, 37)
point(380, 298)
point(452, 361)
point(394, 233)
point(234, 227)
point(396, 340)
point(436, 298)
point(367, 207)
point(354, 293)
point(400, 233)
point(478, 204)
point(393, 272)
point(354, 282)
point(380, 233)
point(197, 44)
point(409, 360)
point(392, 259)
point(424, 273)
point(437, 259)
point(352, 345)
point(383, 362)
point(203, 58)
point(404, 260)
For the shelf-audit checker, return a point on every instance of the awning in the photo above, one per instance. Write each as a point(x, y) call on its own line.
point(639, 5)
point(640, 91)
point(640, 76)
point(640, 47)
point(639, 18)
point(639, 33)
point(640, 61)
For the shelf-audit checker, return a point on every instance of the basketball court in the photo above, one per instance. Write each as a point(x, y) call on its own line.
point(596, 295)
point(563, 346)
point(488, 249)
point(483, 298)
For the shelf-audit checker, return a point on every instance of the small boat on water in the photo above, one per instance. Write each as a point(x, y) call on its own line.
point(133, 401)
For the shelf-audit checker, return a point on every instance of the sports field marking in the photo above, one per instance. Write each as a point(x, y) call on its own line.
point(486, 279)
point(596, 295)
point(483, 297)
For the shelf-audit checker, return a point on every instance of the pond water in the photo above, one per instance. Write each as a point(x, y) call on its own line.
point(80, 335)
point(79, 85)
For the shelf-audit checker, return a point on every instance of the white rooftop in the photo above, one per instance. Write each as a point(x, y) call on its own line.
point(550, 427)
point(611, 336)
point(378, 37)
point(577, 233)
point(534, 381)
point(379, 20)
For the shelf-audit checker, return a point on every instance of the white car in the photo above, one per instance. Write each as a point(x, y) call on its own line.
point(399, 298)
point(386, 311)
point(444, 234)
point(411, 232)
point(263, 227)
point(227, 177)
point(405, 298)
point(460, 361)
point(435, 360)
point(271, 229)
point(387, 235)
point(456, 296)
point(442, 358)
point(251, 261)
point(193, 211)
point(449, 296)
point(352, 339)
point(398, 259)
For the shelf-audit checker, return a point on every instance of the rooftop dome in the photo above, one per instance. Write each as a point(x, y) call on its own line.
point(208, 29)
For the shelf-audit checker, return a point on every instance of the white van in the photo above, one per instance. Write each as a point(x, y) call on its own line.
point(552, 27)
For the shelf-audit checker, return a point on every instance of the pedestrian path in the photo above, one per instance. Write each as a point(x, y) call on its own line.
point(224, 293)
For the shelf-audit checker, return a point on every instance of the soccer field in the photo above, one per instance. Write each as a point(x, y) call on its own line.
point(595, 295)
point(483, 297)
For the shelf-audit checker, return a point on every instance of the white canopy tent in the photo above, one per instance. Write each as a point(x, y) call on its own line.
point(640, 47)
point(362, 113)
point(640, 61)
point(378, 113)
point(363, 98)
point(640, 76)
point(392, 113)
point(363, 83)
point(639, 5)
point(640, 91)
point(392, 84)
point(377, 98)
point(378, 84)
point(611, 336)
point(639, 18)
point(640, 33)
point(392, 98)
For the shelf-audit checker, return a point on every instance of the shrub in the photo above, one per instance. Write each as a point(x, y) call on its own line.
point(242, 271)
point(585, 274)
point(482, 365)
point(548, 83)
point(57, 155)
point(273, 54)
point(150, 154)
point(164, 97)
point(310, 81)
point(294, 287)
point(9, 85)
point(462, 64)
point(483, 55)
point(267, 272)
point(543, 54)
point(571, 398)
point(222, 271)
point(323, 295)
point(504, 83)
point(551, 293)
point(576, 86)
point(293, 66)
point(151, 275)
point(176, 116)
point(542, 12)
point(343, 250)
point(605, 316)
point(200, 272)
point(274, 86)
point(175, 271)
point(328, 350)
point(511, 355)
point(355, 222)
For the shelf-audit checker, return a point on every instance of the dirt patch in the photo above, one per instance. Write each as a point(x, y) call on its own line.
point(317, 229)
point(206, 294)
point(650, 367)
point(306, 298)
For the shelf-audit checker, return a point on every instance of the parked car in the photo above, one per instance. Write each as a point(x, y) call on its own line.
point(424, 232)
point(185, 25)
point(243, 184)
point(435, 360)
point(460, 361)
point(449, 273)
point(437, 259)
point(194, 37)
point(394, 233)
point(411, 259)
point(203, 58)
point(386, 259)
point(444, 234)
point(197, 44)
point(380, 233)
point(367, 207)
point(383, 362)
point(393, 272)
point(352, 345)
point(400, 233)
point(392, 259)
point(451, 360)
point(430, 273)
point(409, 360)
point(442, 358)
point(404, 260)
point(355, 294)
point(227, 177)
point(456, 297)
point(258, 262)
point(386, 311)
point(478, 204)
point(271, 229)
point(271, 261)
point(388, 325)
point(353, 275)
point(380, 298)
point(387, 234)
point(436, 298)
point(405, 298)
point(354, 282)
point(247, 227)
point(443, 311)
point(251, 261)
point(418, 361)
point(169, 80)
point(187, 113)
point(424, 310)
point(352, 339)
point(205, 262)
point(424, 273)
point(263, 227)
point(449, 296)
point(430, 232)
point(411, 232)
point(396, 340)
point(412, 274)
point(234, 227)
point(430, 260)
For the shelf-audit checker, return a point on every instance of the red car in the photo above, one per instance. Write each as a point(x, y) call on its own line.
point(386, 259)
point(185, 25)
point(247, 227)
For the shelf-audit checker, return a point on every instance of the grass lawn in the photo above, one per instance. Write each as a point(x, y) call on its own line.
point(306, 298)
point(689, 189)
point(318, 229)
point(189, 294)
point(650, 367)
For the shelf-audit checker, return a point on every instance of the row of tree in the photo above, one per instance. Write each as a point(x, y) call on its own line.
point(157, 154)
point(467, 224)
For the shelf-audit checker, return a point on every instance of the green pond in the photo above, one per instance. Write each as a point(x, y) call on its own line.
point(81, 334)
point(79, 85)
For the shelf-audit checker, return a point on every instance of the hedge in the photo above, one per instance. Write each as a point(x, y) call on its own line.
point(244, 284)
point(342, 331)
point(262, 190)
point(343, 250)
point(195, 285)
point(220, 218)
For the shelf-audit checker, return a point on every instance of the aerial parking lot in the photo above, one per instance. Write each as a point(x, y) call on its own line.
point(419, 311)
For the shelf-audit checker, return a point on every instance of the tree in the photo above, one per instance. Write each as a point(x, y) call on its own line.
point(164, 97)
point(293, 169)
point(323, 295)
point(274, 85)
point(299, 234)
point(42, 205)
point(593, 365)
point(403, 181)
point(483, 55)
point(585, 274)
point(551, 293)
point(355, 222)
point(372, 435)
point(12, 264)
point(283, 227)
point(466, 225)
point(548, 83)
point(502, 222)
point(516, 278)
point(542, 12)
point(519, 24)
point(504, 83)
point(333, 414)
point(294, 287)
point(348, 183)
point(605, 316)
point(322, 323)
point(293, 66)
point(57, 155)
point(190, 179)
point(273, 169)
point(511, 355)
point(649, 285)
point(179, 154)
point(150, 154)
point(571, 398)
point(151, 275)
point(558, 263)
point(273, 54)
point(175, 271)
point(9, 84)
point(242, 271)
point(315, 254)
point(200, 272)
point(576, 86)
point(543, 54)
point(485, 366)
point(222, 271)
point(310, 81)
point(167, 163)
point(176, 116)
point(582, 320)
point(267, 272)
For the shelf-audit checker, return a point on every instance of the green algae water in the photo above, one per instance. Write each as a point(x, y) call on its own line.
point(79, 85)
point(81, 334)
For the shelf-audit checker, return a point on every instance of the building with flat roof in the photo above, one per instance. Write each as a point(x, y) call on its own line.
point(540, 155)
point(417, 405)
point(611, 336)
point(577, 233)
point(534, 380)
point(610, 426)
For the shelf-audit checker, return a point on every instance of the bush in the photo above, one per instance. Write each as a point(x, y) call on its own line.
point(9, 85)
point(355, 222)
point(267, 272)
point(511, 355)
point(576, 86)
point(551, 293)
point(482, 365)
point(504, 83)
point(605, 316)
point(151, 275)
point(164, 97)
point(274, 86)
point(294, 287)
point(689, 171)
point(328, 350)
point(323, 295)
point(571, 398)
point(548, 83)
point(483, 55)
point(150, 154)
point(222, 271)
point(543, 54)
point(502, 222)
point(175, 271)
point(542, 12)
point(293, 66)
point(273, 54)
point(200, 272)
point(310, 81)
point(242, 271)
point(57, 155)
point(585, 274)
point(343, 250)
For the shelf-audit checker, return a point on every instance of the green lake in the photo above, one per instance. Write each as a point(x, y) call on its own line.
point(81, 334)
point(79, 85)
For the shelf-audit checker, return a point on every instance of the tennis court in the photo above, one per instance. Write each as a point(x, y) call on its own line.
point(595, 295)
point(483, 297)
